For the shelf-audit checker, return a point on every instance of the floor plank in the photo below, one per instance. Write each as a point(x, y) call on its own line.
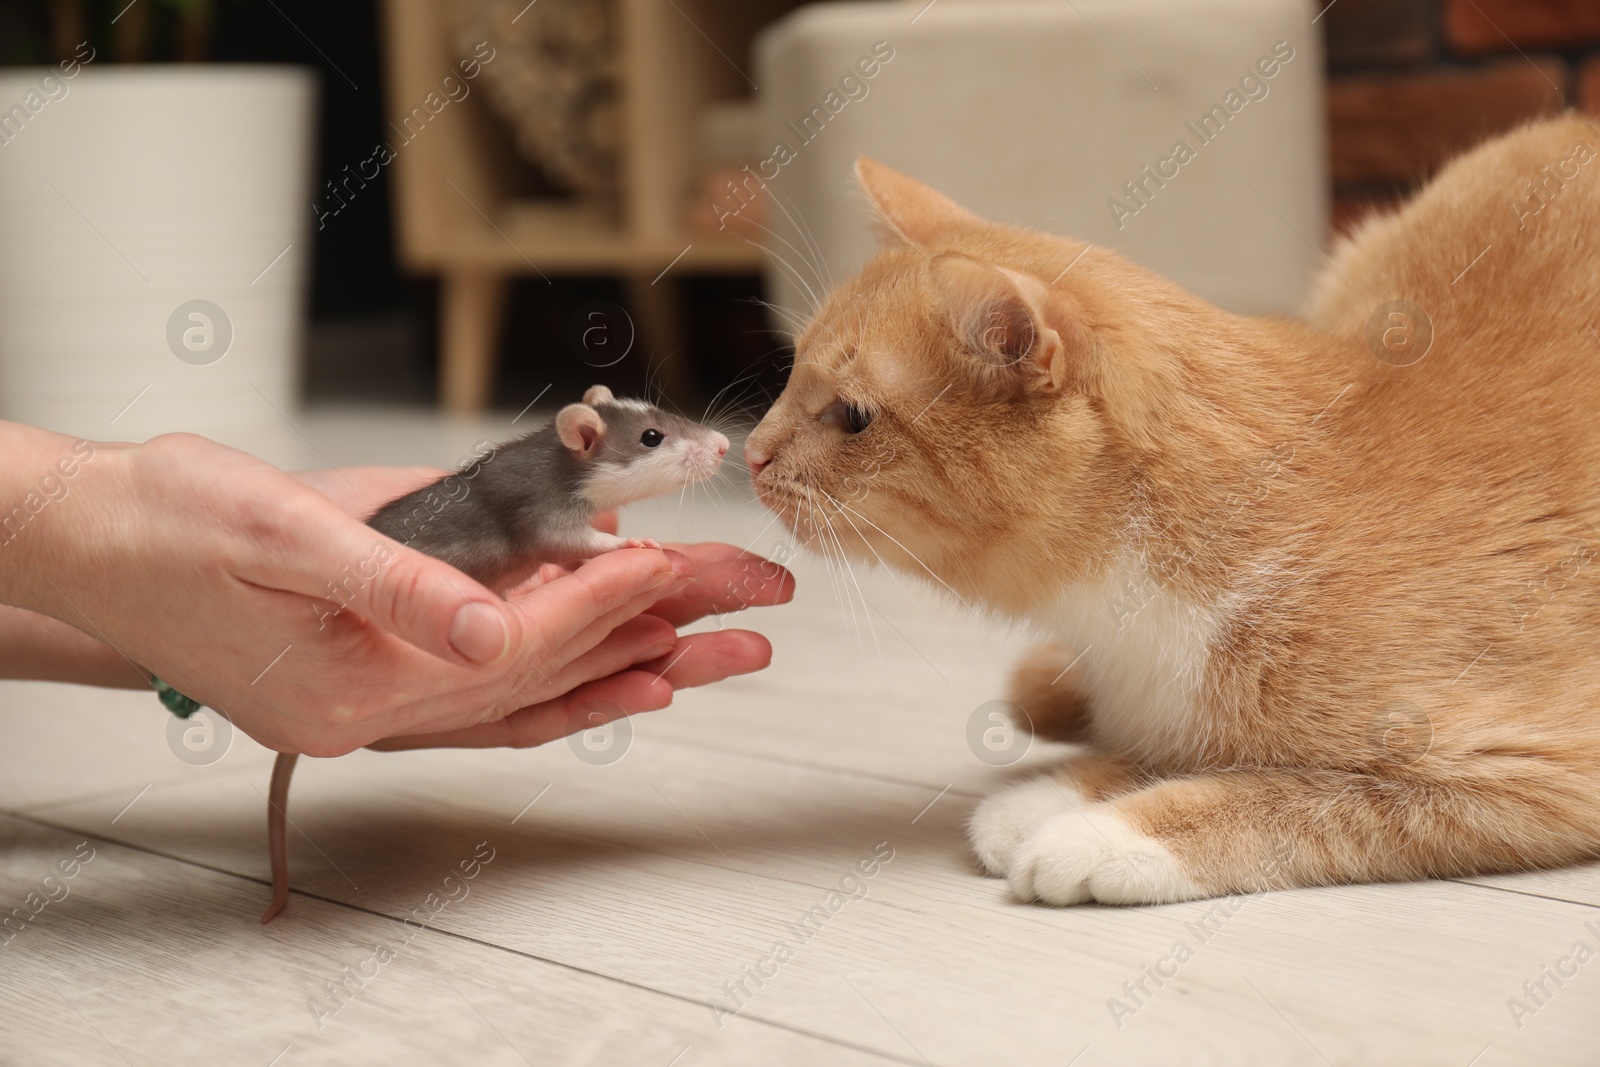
point(1580, 884)
point(676, 871)
point(130, 966)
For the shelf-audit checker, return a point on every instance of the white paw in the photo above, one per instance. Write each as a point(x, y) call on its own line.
point(1002, 821)
point(1093, 854)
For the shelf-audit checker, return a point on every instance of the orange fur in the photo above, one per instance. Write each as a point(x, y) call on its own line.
point(1338, 617)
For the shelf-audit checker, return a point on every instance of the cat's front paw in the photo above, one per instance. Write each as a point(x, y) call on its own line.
point(1004, 820)
point(1093, 854)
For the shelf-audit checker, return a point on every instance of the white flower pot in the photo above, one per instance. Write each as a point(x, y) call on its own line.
point(153, 248)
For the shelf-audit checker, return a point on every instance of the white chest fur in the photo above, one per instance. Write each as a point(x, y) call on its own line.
point(1143, 656)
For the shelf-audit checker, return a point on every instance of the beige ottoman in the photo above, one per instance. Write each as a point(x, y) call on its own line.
point(1188, 134)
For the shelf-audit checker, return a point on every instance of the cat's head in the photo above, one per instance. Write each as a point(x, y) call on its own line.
point(970, 404)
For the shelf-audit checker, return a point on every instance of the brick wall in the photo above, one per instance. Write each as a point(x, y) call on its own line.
point(1413, 82)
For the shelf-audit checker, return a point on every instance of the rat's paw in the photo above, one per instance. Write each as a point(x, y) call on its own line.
point(598, 543)
point(1004, 820)
point(1093, 854)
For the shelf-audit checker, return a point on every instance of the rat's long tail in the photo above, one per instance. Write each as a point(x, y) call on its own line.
point(278, 833)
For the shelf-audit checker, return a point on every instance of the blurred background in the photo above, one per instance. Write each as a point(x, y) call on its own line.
point(476, 206)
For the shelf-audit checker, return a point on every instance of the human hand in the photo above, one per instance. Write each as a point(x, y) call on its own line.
point(727, 579)
point(260, 596)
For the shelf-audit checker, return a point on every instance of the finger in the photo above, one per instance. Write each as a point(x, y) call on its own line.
point(641, 639)
point(305, 544)
point(733, 584)
point(546, 572)
point(559, 618)
point(703, 552)
point(701, 659)
point(598, 631)
point(586, 707)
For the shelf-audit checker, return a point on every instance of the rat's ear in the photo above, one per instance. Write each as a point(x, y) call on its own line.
point(906, 210)
point(1009, 320)
point(581, 428)
point(597, 394)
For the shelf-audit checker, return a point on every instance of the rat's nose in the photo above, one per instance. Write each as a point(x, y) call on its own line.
point(721, 444)
point(756, 459)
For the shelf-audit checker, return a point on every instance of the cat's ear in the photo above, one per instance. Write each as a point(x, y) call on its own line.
point(580, 428)
point(1008, 320)
point(907, 212)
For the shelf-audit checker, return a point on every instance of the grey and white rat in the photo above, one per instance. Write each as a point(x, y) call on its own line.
point(525, 503)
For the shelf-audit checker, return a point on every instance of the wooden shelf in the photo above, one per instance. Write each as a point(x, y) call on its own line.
point(579, 241)
point(462, 204)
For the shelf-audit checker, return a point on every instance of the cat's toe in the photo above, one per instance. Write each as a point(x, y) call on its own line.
point(1095, 855)
point(1004, 820)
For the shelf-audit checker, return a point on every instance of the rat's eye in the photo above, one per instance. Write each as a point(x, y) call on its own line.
point(652, 437)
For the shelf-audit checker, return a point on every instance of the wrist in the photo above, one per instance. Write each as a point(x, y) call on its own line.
point(38, 648)
point(50, 488)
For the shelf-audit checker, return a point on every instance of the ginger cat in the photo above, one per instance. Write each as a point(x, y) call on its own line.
point(1320, 593)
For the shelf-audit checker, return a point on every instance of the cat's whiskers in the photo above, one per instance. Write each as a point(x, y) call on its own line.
point(892, 571)
point(812, 541)
point(820, 266)
point(841, 586)
point(796, 321)
point(816, 301)
point(850, 573)
point(934, 574)
point(790, 270)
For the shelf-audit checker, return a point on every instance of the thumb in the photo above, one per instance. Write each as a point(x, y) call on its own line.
point(430, 604)
point(421, 600)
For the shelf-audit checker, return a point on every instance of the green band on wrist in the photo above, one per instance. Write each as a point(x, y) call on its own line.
point(174, 701)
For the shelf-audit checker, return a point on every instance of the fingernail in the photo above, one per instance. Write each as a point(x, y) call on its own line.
point(476, 633)
point(660, 580)
point(653, 652)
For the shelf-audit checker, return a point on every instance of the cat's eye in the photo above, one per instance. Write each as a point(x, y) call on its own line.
point(652, 437)
point(851, 418)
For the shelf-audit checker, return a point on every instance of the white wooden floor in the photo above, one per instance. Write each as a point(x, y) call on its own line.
point(618, 904)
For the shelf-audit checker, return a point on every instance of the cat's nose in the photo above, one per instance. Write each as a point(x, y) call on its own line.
point(756, 459)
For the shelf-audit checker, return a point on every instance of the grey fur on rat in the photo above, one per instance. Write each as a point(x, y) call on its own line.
point(527, 502)
point(533, 500)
